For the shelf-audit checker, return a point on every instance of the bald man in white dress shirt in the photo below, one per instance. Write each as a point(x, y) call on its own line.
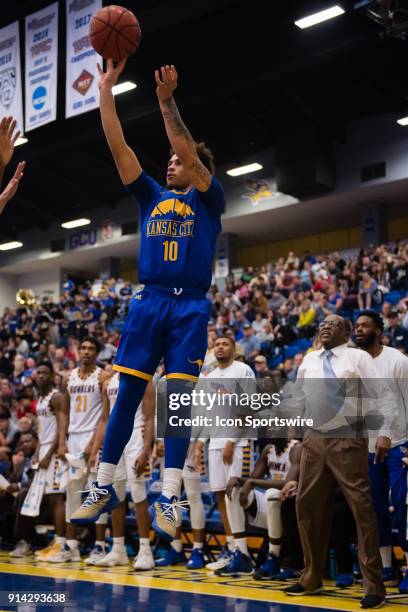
point(334, 452)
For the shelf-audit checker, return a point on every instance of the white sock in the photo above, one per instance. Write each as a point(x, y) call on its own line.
point(144, 544)
point(171, 482)
point(386, 556)
point(176, 544)
point(118, 543)
point(73, 544)
point(241, 544)
point(230, 543)
point(274, 549)
point(100, 543)
point(198, 545)
point(60, 540)
point(105, 475)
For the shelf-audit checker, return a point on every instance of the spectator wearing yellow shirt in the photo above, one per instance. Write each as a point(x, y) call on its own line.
point(305, 323)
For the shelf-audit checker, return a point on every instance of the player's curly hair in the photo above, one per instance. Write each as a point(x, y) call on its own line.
point(91, 340)
point(205, 155)
point(375, 317)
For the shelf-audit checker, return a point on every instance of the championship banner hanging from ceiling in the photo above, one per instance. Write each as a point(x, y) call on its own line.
point(81, 89)
point(41, 53)
point(11, 99)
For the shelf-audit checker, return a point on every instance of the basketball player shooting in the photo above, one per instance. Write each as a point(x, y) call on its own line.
point(168, 319)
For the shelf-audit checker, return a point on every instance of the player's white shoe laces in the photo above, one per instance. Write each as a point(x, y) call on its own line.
point(94, 495)
point(166, 515)
point(169, 509)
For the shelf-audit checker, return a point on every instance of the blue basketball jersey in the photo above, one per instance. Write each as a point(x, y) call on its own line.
point(178, 233)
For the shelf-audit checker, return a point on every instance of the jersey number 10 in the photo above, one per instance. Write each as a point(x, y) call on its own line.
point(170, 250)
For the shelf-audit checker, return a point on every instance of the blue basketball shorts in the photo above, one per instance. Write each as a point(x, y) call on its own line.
point(163, 324)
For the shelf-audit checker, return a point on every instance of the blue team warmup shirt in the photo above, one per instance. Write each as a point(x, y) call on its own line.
point(178, 233)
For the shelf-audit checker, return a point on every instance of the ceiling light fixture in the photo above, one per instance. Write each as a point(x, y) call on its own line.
point(75, 223)
point(123, 87)
point(311, 20)
point(20, 141)
point(244, 169)
point(7, 246)
point(403, 121)
point(45, 256)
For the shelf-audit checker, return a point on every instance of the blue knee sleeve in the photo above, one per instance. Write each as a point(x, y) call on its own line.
point(120, 424)
point(176, 442)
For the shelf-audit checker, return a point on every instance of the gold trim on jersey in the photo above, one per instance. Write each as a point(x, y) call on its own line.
point(95, 369)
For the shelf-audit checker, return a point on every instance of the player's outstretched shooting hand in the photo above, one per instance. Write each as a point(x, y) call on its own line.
point(166, 81)
point(8, 139)
point(12, 186)
point(109, 78)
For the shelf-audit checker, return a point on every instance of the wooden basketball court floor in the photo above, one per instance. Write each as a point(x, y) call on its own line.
point(172, 589)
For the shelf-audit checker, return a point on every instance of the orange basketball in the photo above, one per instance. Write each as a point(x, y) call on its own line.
point(115, 32)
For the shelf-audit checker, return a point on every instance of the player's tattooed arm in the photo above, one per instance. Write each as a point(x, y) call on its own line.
point(174, 121)
point(125, 159)
point(181, 140)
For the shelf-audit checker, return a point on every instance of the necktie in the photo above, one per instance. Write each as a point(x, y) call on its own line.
point(327, 366)
point(330, 400)
point(334, 398)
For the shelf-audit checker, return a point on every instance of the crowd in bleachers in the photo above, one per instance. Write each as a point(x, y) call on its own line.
point(271, 312)
point(274, 310)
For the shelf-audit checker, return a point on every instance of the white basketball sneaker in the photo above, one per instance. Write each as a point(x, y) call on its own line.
point(222, 561)
point(114, 557)
point(144, 561)
point(44, 551)
point(50, 550)
point(97, 553)
point(22, 549)
point(65, 555)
